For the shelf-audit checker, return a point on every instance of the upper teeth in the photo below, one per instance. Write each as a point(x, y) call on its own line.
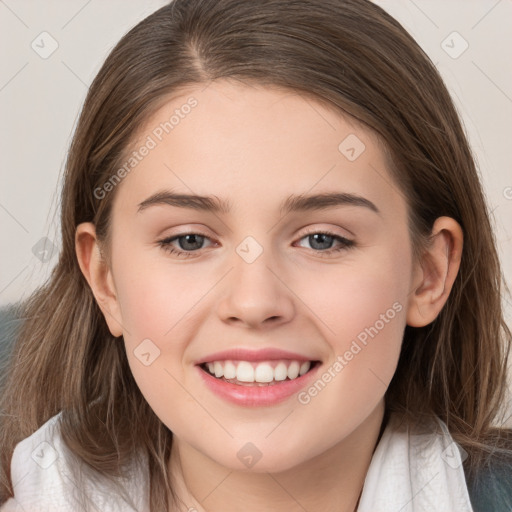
point(245, 371)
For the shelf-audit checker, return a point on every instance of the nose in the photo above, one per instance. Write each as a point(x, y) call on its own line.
point(256, 295)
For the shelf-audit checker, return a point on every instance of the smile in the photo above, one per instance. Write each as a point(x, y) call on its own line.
point(256, 378)
point(265, 373)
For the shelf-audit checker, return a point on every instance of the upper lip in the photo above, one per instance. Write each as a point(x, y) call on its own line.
point(243, 354)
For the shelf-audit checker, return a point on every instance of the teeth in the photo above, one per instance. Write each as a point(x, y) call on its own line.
point(293, 370)
point(264, 372)
point(280, 372)
point(244, 372)
point(229, 370)
point(218, 369)
point(304, 367)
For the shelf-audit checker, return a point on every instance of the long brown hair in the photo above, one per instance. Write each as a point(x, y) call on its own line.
point(349, 54)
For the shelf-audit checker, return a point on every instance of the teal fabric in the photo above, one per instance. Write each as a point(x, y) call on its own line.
point(9, 325)
point(491, 490)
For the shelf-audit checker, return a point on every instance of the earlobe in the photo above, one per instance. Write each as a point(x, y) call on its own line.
point(98, 275)
point(437, 272)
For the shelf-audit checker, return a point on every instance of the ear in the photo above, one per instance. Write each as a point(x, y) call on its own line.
point(435, 274)
point(99, 275)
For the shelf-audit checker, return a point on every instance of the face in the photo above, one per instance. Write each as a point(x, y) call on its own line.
point(267, 285)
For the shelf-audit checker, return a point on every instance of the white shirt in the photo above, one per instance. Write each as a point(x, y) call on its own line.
point(409, 472)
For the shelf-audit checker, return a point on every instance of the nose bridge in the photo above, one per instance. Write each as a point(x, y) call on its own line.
point(255, 293)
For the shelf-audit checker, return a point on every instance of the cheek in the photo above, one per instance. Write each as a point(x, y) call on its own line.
point(157, 302)
point(362, 311)
point(353, 295)
point(154, 297)
point(154, 305)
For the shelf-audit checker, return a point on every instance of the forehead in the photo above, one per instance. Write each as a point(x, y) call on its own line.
point(254, 144)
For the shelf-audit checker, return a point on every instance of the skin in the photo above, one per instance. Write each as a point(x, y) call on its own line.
point(255, 146)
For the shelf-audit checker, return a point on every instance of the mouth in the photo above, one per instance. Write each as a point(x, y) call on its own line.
point(256, 379)
point(258, 374)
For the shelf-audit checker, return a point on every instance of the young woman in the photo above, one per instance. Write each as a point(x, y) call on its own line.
point(278, 286)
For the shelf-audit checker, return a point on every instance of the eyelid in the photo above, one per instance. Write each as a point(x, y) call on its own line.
point(327, 231)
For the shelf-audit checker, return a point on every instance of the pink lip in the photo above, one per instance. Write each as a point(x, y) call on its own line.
point(256, 396)
point(242, 354)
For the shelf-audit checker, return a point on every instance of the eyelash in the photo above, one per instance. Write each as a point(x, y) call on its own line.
point(345, 244)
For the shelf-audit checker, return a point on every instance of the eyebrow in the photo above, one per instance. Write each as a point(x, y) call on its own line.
point(294, 203)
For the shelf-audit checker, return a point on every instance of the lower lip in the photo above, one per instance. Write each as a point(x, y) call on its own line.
point(257, 396)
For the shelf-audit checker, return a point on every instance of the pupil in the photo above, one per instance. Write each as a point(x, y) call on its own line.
point(322, 237)
point(188, 238)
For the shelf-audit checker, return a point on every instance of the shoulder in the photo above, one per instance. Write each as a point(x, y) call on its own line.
point(415, 466)
point(491, 489)
point(35, 466)
point(47, 476)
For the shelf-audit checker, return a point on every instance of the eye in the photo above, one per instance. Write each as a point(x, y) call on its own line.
point(188, 242)
point(319, 241)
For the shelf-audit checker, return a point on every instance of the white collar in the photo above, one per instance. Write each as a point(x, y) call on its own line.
point(415, 470)
point(411, 470)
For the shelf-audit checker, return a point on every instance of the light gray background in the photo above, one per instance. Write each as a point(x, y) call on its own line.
point(40, 100)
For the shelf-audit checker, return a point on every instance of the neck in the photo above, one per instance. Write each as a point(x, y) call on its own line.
point(331, 481)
